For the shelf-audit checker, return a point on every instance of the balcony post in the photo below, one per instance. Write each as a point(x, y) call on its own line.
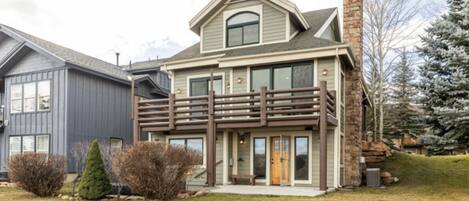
point(263, 105)
point(171, 111)
point(211, 141)
point(136, 126)
point(323, 136)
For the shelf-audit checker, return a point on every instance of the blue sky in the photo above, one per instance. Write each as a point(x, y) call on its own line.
point(138, 29)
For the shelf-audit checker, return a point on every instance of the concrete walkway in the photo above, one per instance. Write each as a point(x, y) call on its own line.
point(267, 190)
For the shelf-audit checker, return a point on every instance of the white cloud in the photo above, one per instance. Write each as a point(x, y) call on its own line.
point(138, 29)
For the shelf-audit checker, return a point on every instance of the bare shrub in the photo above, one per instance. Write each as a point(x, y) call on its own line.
point(156, 170)
point(40, 174)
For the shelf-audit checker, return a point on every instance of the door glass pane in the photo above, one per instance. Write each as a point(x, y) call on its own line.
point(235, 36)
point(282, 78)
point(199, 87)
point(15, 145)
point(260, 77)
point(29, 104)
point(217, 86)
point(42, 144)
point(251, 34)
point(28, 144)
point(301, 158)
point(197, 145)
point(302, 76)
point(285, 160)
point(259, 157)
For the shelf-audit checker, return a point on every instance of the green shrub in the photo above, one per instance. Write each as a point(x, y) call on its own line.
point(95, 183)
point(40, 174)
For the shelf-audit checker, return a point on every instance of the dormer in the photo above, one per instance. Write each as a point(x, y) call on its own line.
point(232, 24)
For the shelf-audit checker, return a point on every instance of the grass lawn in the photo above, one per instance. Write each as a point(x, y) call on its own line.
point(422, 179)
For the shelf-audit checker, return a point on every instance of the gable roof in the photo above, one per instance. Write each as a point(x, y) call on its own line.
point(304, 40)
point(67, 55)
point(214, 5)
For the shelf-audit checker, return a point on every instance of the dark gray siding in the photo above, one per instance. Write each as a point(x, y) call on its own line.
point(53, 123)
point(97, 109)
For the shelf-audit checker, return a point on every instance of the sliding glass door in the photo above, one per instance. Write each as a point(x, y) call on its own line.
point(282, 76)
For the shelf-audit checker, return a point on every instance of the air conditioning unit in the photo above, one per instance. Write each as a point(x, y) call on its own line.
point(373, 177)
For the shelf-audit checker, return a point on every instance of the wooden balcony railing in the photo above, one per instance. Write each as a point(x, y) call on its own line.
point(265, 108)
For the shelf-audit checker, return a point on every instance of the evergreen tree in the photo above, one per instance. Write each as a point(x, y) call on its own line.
point(402, 112)
point(445, 73)
point(95, 183)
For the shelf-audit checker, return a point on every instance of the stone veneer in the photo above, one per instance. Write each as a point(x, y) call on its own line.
point(353, 34)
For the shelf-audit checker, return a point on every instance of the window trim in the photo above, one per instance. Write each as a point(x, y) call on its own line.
point(185, 145)
point(242, 25)
point(36, 102)
point(254, 153)
point(307, 157)
point(35, 141)
point(271, 73)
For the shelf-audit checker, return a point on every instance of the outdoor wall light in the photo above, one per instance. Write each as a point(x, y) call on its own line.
point(325, 72)
point(242, 140)
point(178, 91)
point(239, 80)
point(228, 86)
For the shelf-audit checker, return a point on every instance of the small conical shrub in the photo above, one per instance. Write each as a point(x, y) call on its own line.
point(94, 183)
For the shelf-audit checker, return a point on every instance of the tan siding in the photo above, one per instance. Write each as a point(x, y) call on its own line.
point(240, 72)
point(213, 34)
point(330, 158)
point(274, 24)
point(244, 153)
point(329, 65)
point(180, 78)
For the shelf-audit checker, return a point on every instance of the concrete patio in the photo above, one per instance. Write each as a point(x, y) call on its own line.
point(267, 190)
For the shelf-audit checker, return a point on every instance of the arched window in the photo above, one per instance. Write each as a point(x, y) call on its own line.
point(242, 29)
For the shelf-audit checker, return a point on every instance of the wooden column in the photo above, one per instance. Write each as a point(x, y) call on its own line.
point(323, 136)
point(211, 141)
point(134, 115)
point(171, 111)
point(263, 105)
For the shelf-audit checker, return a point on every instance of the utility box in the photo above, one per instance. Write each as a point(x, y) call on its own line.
point(373, 177)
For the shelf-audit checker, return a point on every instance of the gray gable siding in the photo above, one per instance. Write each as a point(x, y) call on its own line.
point(97, 109)
point(53, 123)
point(6, 45)
point(33, 62)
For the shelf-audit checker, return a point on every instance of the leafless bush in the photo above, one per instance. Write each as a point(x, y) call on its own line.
point(155, 170)
point(40, 174)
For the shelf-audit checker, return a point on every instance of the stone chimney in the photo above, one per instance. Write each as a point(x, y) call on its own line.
point(353, 35)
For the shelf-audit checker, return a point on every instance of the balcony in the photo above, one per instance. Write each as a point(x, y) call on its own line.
point(265, 108)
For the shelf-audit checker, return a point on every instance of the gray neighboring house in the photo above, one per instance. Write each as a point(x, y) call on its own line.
point(53, 97)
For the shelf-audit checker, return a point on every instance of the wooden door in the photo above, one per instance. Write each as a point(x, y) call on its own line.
point(280, 160)
point(275, 160)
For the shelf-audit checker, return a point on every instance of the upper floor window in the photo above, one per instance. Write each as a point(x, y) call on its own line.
point(242, 29)
point(30, 97)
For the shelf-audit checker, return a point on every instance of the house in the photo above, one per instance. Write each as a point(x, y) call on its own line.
point(269, 94)
point(53, 97)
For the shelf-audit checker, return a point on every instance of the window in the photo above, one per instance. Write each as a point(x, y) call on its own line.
point(260, 157)
point(301, 158)
point(30, 97)
point(16, 98)
point(43, 96)
point(242, 29)
point(29, 144)
point(282, 77)
point(116, 144)
point(201, 86)
point(196, 144)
